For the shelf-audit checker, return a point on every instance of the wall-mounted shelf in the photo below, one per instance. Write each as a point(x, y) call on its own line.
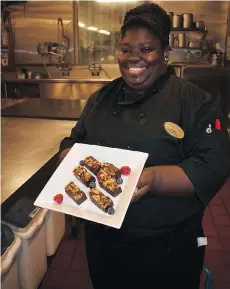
point(188, 30)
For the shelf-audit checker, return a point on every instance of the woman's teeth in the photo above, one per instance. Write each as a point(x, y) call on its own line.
point(136, 69)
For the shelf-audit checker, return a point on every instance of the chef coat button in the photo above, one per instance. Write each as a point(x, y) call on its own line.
point(142, 115)
point(154, 90)
point(114, 113)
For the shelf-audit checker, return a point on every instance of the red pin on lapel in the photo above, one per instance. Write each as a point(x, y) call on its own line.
point(217, 124)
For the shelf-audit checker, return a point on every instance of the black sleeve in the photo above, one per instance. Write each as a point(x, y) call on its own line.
point(78, 132)
point(207, 162)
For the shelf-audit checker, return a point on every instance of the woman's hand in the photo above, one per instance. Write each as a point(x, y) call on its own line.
point(164, 180)
point(63, 155)
point(144, 184)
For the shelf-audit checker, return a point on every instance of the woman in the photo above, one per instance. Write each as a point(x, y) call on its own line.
point(156, 246)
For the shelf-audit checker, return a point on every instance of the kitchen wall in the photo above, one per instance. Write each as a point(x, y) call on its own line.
point(38, 23)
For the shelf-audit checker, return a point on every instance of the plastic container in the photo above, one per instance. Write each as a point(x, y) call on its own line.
point(55, 230)
point(32, 258)
point(9, 265)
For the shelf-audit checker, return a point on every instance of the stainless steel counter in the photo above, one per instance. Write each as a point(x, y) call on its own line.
point(80, 84)
point(55, 80)
point(9, 102)
point(27, 144)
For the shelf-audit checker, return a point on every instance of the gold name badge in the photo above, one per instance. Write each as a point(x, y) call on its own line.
point(174, 130)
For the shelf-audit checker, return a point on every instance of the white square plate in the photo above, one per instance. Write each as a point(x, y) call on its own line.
point(87, 210)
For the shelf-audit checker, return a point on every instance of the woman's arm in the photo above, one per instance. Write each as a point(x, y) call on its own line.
point(207, 164)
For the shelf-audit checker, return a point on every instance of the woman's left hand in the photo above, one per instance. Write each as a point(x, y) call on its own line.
point(144, 184)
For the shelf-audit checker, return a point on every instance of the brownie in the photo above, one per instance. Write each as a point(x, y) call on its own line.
point(111, 170)
point(83, 175)
point(102, 201)
point(74, 192)
point(102, 175)
point(111, 187)
point(92, 164)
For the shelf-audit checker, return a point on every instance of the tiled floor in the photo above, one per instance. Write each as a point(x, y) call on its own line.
point(68, 267)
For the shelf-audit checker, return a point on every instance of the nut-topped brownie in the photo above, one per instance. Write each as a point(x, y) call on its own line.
point(110, 186)
point(102, 201)
point(74, 192)
point(111, 170)
point(84, 176)
point(102, 175)
point(92, 164)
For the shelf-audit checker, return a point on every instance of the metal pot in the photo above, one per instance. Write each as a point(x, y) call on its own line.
point(182, 40)
point(199, 24)
point(187, 20)
point(177, 21)
point(171, 40)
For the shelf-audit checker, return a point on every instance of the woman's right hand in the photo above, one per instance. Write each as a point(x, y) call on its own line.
point(63, 155)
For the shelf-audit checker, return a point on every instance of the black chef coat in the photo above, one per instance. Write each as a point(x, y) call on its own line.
point(204, 157)
point(117, 116)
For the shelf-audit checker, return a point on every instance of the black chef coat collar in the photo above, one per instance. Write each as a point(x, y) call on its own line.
point(128, 95)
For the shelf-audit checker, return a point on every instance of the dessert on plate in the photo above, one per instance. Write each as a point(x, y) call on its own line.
point(75, 193)
point(102, 201)
point(84, 176)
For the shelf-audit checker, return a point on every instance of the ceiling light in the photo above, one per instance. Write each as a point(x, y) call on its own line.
point(104, 32)
point(114, 1)
point(92, 28)
point(81, 24)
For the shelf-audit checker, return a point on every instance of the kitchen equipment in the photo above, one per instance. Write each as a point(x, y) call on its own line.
point(188, 57)
point(10, 246)
point(59, 50)
point(4, 59)
point(199, 24)
point(32, 261)
point(175, 42)
point(187, 20)
point(171, 40)
point(55, 230)
point(197, 56)
point(177, 21)
point(194, 44)
point(25, 72)
point(216, 58)
point(181, 40)
point(20, 75)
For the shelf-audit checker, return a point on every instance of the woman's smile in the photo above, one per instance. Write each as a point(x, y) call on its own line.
point(136, 71)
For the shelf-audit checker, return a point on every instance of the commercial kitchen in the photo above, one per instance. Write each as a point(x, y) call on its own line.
point(54, 56)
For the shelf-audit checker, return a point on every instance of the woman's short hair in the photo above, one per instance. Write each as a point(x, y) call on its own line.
point(150, 16)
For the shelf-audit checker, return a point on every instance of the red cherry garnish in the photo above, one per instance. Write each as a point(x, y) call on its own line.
point(58, 198)
point(125, 170)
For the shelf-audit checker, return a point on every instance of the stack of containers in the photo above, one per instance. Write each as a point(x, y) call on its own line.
point(32, 258)
point(9, 258)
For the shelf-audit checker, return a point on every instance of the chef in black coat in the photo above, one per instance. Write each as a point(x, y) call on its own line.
point(150, 109)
